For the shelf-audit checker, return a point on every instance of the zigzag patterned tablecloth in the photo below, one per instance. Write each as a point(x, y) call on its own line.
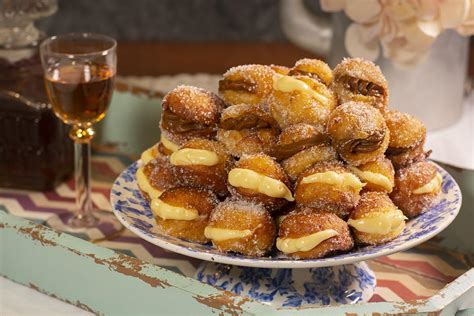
point(414, 274)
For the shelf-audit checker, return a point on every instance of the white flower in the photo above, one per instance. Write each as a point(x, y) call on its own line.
point(406, 29)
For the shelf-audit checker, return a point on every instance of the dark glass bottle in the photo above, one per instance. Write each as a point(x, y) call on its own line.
point(35, 150)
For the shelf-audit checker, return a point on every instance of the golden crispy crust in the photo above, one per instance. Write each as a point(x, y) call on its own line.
point(282, 70)
point(360, 80)
point(305, 159)
point(328, 197)
point(160, 173)
point(313, 68)
point(264, 165)
point(407, 138)
point(247, 116)
point(163, 150)
point(248, 141)
point(406, 131)
point(306, 221)
point(194, 104)
point(249, 84)
point(295, 107)
point(409, 179)
point(207, 177)
point(191, 198)
point(358, 132)
point(240, 215)
point(381, 166)
point(371, 202)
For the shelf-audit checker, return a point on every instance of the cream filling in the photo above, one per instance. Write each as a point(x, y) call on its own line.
point(249, 179)
point(166, 211)
point(433, 186)
point(145, 185)
point(147, 155)
point(334, 178)
point(289, 84)
point(373, 177)
point(191, 156)
point(169, 144)
point(305, 243)
point(220, 234)
point(378, 222)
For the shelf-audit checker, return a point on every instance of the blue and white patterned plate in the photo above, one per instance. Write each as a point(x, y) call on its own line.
point(135, 214)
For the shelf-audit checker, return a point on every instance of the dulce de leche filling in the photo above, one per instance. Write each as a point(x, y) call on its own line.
point(380, 223)
point(374, 177)
point(145, 185)
point(431, 187)
point(334, 178)
point(289, 84)
point(192, 156)
point(220, 234)
point(305, 243)
point(166, 211)
point(249, 179)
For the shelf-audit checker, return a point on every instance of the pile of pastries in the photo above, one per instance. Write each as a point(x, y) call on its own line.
point(303, 161)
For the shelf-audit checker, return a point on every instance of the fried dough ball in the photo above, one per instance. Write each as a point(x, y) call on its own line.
point(248, 141)
point(202, 163)
point(358, 133)
point(329, 186)
point(376, 220)
point(184, 212)
point(282, 70)
point(260, 179)
point(155, 177)
point(407, 137)
point(304, 159)
point(310, 234)
point(242, 227)
point(378, 175)
point(190, 112)
point(361, 81)
point(313, 68)
point(247, 116)
point(300, 99)
point(249, 84)
point(416, 188)
point(296, 138)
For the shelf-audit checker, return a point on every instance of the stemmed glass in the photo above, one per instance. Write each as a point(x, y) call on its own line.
point(79, 72)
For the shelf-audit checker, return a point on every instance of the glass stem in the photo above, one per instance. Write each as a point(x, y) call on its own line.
point(82, 176)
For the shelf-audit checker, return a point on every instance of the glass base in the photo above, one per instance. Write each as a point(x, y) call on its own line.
point(96, 226)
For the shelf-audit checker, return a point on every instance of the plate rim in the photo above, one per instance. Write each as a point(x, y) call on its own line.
point(280, 263)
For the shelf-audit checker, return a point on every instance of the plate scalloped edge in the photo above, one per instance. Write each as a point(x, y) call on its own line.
point(135, 214)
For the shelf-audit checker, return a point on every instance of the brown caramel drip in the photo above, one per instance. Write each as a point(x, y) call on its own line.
point(175, 124)
point(360, 86)
point(366, 145)
point(245, 122)
point(284, 151)
point(312, 75)
point(237, 85)
point(393, 151)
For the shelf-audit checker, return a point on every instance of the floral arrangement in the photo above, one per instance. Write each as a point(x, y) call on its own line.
point(405, 29)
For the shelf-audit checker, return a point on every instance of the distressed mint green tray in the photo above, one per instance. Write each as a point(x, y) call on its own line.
point(104, 282)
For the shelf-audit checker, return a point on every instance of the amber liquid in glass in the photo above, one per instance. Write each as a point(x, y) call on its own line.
point(80, 94)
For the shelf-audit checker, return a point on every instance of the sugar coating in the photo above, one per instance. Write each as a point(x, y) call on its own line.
point(194, 104)
point(357, 118)
point(405, 130)
point(360, 68)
